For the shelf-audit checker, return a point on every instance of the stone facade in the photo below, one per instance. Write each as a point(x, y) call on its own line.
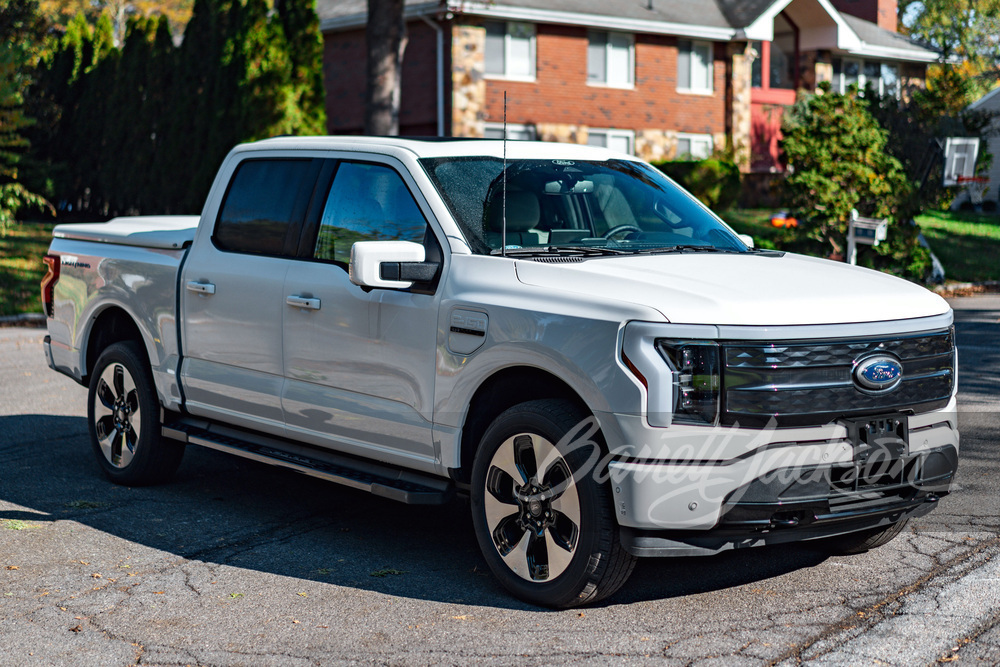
point(468, 85)
point(564, 134)
point(741, 67)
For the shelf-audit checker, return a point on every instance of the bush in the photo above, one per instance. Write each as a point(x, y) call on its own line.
point(716, 183)
point(839, 161)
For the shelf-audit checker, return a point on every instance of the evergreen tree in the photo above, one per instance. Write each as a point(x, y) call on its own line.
point(305, 49)
point(18, 31)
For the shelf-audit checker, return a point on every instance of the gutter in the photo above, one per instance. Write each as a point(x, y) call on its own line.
point(440, 71)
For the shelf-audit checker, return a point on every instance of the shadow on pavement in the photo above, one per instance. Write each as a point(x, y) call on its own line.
point(225, 510)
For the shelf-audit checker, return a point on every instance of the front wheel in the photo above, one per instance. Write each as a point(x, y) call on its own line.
point(865, 540)
point(543, 519)
point(124, 418)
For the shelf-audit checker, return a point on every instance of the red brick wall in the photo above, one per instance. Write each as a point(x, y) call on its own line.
point(560, 93)
point(344, 65)
point(882, 12)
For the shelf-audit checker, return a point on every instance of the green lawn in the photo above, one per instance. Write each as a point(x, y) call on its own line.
point(968, 244)
point(21, 267)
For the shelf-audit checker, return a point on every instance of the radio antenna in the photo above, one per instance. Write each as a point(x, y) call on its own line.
point(503, 224)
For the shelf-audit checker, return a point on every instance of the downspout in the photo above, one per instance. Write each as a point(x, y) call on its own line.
point(440, 73)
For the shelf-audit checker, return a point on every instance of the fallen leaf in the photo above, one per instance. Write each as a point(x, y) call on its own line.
point(13, 567)
point(303, 595)
point(158, 592)
point(83, 562)
point(96, 575)
point(76, 628)
point(294, 621)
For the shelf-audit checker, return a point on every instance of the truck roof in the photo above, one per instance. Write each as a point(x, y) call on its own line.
point(432, 147)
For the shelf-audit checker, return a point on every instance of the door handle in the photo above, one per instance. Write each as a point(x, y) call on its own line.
point(303, 302)
point(200, 288)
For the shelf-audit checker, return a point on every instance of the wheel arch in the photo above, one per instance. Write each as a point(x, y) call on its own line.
point(112, 325)
point(504, 389)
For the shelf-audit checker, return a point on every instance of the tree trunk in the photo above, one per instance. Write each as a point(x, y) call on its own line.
point(386, 39)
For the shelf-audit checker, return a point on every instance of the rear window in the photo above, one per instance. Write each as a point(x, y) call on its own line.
point(265, 204)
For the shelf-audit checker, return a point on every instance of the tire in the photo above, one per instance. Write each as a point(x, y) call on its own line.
point(865, 540)
point(123, 415)
point(551, 538)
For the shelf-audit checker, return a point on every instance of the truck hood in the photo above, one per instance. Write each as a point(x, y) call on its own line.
point(741, 289)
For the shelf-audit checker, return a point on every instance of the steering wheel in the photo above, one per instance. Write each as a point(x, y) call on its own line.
point(619, 229)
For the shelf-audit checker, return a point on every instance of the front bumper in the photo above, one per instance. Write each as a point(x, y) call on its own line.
point(703, 490)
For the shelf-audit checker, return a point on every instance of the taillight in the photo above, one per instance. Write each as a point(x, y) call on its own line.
point(49, 284)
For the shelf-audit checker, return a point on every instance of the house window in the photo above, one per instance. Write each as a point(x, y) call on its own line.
point(694, 146)
point(510, 50)
point(610, 58)
point(617, 140)
point(694, 66)
point(515, 132)
point(883, 78)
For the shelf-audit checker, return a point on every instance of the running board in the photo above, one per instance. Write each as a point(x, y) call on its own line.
point(381, 480)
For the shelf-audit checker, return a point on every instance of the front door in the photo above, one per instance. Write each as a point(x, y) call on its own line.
point(360, 364)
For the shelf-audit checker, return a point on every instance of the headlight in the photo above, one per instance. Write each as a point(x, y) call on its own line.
point(694, 367)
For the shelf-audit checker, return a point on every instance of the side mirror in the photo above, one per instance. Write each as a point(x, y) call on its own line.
point(391, 264)
point(747, 240)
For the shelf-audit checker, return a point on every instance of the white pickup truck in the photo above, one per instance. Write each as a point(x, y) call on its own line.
point(558, 332)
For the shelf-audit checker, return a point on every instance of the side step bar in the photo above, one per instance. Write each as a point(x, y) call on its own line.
point(381, 480)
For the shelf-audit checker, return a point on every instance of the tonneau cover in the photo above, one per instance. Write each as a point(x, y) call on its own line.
point(150, 231)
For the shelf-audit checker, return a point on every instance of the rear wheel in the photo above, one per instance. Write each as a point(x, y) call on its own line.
point(544, 523)
point(124, 419)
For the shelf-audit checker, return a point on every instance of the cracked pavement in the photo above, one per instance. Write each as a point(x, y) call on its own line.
point(236, 563)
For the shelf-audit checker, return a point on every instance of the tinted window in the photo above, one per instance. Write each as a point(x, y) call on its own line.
point(266, 200)
point(367, 202)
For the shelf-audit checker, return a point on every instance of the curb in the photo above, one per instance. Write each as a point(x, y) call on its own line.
point(23, 320)
point(968, 289)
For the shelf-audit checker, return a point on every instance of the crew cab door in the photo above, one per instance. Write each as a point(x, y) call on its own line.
point(232, 294)
point(360, 363)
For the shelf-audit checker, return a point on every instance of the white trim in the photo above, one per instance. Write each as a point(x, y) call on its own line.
point(870, 51)
point(762, 29)
point(603, 22)
point(691, 137)
point(610, 132)
point(360, 19)
point(984, 99)
point(698, 90)
point(606, 83)
point(514, 127)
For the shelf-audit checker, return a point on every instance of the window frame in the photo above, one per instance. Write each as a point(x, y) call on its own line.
point(694, 45)
point(532, 50)
point(839, 85)
point(608, 47)
point(293, 234)
point(610, 132)
point(691, 138)
point(515, 127)
point(324, 188)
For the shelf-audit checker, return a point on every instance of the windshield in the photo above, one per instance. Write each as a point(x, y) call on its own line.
point(574, 206)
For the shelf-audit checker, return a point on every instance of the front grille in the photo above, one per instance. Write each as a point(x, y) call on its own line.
point(803, 383)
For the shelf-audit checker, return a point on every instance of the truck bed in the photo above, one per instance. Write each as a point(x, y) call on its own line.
point(151, 231)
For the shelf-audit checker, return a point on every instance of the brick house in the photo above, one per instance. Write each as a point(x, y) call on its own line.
point(658, 78)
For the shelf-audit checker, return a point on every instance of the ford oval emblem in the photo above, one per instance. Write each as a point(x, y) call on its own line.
point(878, 373)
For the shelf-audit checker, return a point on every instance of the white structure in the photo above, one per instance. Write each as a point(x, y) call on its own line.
point(988, 102)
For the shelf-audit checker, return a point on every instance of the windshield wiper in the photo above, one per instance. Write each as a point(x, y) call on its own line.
point(561, 251)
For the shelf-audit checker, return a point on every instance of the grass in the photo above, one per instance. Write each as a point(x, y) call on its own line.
point(21, 268)
point(968, 244)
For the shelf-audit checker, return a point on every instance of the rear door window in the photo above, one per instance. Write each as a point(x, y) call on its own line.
point(263, 210)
